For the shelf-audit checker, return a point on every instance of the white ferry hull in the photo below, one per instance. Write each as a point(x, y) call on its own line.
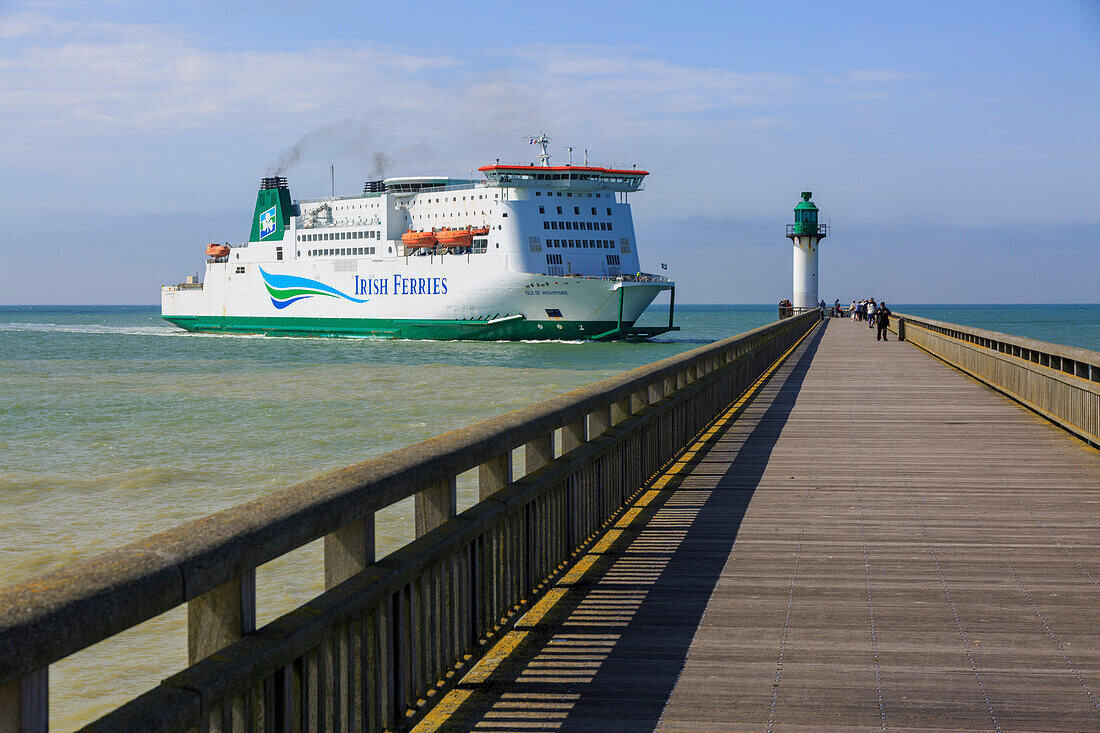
point(420, 297)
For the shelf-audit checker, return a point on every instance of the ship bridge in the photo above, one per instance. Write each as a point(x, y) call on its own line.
point(564, 176)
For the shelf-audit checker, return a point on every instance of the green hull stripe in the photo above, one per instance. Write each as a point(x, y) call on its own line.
point(386, 328)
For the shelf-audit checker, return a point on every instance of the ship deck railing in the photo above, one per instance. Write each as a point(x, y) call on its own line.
point(426, 189)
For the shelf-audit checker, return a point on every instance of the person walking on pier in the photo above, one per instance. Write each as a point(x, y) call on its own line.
point(882, 318)
point(871, 313)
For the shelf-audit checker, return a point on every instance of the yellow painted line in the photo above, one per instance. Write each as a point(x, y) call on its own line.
point(492, 659)
point(647, 497)
point(543, 607)
point(605, 542)
point(628, 517)
point(577, 571)
point(443, 710)
point(662, 481)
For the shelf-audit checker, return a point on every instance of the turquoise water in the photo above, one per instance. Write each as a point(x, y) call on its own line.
point(117, 425)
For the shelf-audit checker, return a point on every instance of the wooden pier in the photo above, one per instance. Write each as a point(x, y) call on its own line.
point(797, 528)
point(873, 541)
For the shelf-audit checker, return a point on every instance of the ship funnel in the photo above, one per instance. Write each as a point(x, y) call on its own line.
point(274, 210)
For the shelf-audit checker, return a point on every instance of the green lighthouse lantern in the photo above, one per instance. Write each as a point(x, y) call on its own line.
point(805, 234)
point(805, 218)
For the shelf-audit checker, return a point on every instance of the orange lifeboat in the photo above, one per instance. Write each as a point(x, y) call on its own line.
point(415, 240)
point(480, 231)
point(217, 250)
point(454, 237)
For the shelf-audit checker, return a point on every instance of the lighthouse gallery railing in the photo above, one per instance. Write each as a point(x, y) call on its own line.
point(389, 636)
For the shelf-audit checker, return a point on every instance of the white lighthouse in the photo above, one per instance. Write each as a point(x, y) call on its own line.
point(806, 234)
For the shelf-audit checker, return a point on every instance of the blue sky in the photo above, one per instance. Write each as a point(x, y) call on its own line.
point(954, 147)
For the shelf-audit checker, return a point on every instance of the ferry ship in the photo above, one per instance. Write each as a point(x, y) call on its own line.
point(532, 251)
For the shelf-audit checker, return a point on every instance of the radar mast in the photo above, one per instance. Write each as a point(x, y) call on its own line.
point(542, 140)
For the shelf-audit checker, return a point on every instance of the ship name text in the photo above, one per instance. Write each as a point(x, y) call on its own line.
point(401, 285)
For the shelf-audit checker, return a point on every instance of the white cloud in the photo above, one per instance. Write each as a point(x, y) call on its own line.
point(151, 101)
point(92, 77)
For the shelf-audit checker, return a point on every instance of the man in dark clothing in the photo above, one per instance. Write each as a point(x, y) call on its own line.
point(882, 320)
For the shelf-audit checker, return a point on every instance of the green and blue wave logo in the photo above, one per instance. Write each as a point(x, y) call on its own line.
point(287, 289)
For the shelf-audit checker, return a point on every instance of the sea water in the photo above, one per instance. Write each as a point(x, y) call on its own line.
point(117, 425)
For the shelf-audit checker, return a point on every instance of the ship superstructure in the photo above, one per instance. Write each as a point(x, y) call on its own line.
point(528, 252)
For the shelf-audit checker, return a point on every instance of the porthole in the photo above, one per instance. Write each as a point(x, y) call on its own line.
point(498, 245)
point(238, 255)
point(540, 326)
point(390, 250)
point(560, 327)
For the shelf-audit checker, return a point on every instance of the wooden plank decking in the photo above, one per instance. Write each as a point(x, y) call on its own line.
point(877, 541)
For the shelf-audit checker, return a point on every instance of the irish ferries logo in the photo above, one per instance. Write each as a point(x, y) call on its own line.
point(267, 222)
point(287, 289)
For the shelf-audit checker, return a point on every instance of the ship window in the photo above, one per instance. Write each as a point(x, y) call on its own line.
point(559, 209)
point(593, 210)
point(505, 214)
point(542, 209)
point(278, 253)
point(609, 211)
point(538, 193)
point(576, 209)
point(546, 225)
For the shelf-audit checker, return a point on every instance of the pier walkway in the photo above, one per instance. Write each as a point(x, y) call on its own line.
point(871, 540)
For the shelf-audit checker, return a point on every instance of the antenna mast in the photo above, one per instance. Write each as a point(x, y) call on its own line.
point(542, 141)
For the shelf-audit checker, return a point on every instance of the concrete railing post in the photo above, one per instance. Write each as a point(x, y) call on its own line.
point(599, 421)
point(573, 435)
point(494, 475)
point(656, 391)
point(220, 616)
point(538, 453)
point(620, 411)
point(435, 505)
point(349, 551)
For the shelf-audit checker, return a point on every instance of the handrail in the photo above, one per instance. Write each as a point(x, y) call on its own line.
point(50, 617)
point(1061, 383)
